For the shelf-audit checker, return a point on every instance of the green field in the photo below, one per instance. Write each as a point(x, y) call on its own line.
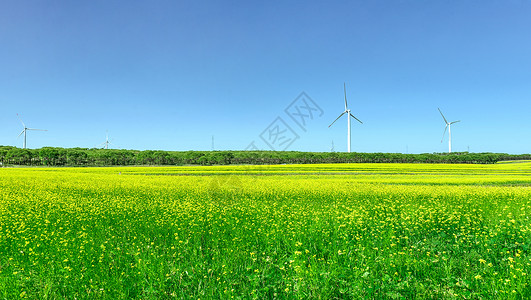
point(391, 231)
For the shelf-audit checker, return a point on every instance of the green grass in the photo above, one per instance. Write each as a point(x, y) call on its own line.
point(385, 231)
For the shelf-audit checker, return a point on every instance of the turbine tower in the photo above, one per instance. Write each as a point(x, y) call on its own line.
point(25, 130)
point(448, 125)
point(347, 111)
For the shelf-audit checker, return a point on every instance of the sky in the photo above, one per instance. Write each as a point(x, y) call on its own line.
point(268, 75)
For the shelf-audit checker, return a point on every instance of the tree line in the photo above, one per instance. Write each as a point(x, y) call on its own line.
point(51, 156)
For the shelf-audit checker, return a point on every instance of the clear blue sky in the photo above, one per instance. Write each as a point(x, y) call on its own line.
point(171, 74)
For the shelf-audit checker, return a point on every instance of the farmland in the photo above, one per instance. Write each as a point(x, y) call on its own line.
point(282, 231)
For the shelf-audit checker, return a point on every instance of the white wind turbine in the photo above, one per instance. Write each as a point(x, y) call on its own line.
point(25, 130)
point(347, 111)
point(107, 142)
point(448, 125)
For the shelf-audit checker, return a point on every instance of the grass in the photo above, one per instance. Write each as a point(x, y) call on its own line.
point(391, 231)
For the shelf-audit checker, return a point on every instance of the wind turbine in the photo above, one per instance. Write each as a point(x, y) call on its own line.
point(24, 131)
point(106, 143)
point(448, 125)
point(347, 111)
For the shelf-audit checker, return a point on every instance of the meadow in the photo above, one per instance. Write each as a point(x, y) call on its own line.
point(328, 231)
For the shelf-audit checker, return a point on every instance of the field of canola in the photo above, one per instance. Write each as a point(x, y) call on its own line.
point(391, 231)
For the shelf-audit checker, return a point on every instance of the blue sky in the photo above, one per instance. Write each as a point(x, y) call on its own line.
point(171, 74)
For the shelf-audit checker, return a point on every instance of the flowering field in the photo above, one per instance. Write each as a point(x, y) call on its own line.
point(286, 231)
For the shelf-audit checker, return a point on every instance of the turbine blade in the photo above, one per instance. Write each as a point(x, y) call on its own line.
point(455, 122)
point(442, 115)
point(356, 118)
point(444, 132)
point(21, 133)
point(36, 129)
point(337, 119)
point(18, 116)
point(345, 88)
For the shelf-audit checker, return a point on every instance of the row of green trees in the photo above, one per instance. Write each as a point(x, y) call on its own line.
point(49, 156)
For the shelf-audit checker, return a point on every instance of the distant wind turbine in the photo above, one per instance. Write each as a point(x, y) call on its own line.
point(25, 130)
point(107, 142)
point(448, 125)
point(347, 111)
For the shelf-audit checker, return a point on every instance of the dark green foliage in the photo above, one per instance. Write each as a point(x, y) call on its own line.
point(50, 156)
